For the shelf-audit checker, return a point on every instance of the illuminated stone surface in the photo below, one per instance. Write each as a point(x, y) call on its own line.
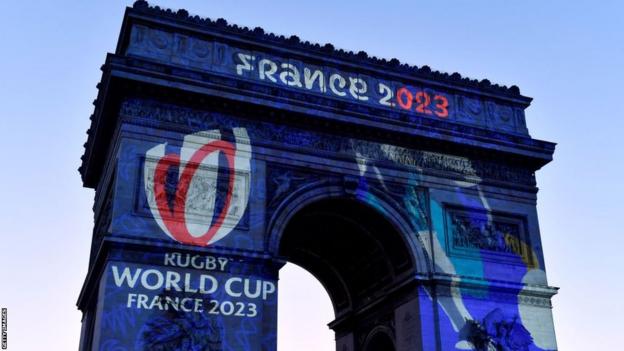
point(218, 153)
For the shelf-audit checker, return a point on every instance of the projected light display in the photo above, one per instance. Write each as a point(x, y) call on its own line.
point(197, 185)
point(219, 153)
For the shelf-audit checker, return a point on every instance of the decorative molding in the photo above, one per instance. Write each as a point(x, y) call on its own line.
point(193, 46)
point(501, 117)
point(469, 232)
point(360, 58)
point(488, 293)
point(480, 233)
point(471, 170)
point(530, 300)
point(200, 59)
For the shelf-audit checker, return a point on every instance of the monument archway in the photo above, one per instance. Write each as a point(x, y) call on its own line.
point(357, 255)
point(217, 153)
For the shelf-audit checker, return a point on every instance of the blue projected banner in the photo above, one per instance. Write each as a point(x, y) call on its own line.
point(183, 301)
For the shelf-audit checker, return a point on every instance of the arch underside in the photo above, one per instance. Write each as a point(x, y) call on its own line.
point(350, 248)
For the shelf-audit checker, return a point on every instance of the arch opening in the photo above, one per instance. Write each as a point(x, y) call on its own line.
point(353, 250)
point(304, 308)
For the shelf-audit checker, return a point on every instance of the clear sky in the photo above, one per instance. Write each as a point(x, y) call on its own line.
point(567, 55)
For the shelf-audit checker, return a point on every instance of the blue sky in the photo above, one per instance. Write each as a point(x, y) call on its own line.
point(567, 55)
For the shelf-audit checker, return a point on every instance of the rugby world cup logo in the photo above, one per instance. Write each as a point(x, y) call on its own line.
point(199, 193)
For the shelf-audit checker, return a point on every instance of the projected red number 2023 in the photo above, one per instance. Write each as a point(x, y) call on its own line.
point(422, 102)
point(415, 100)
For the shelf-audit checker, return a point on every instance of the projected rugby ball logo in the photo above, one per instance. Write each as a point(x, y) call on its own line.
point(198, 193)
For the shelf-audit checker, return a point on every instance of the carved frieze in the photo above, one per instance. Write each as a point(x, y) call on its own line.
point(473, 232)
point(473, 170)
point(500, 116)
point(470, 110)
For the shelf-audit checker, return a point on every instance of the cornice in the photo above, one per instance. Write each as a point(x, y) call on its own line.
point(121, 68)
point(328, 50)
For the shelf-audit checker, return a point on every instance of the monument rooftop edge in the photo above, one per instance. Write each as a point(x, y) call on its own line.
point(169, 55)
